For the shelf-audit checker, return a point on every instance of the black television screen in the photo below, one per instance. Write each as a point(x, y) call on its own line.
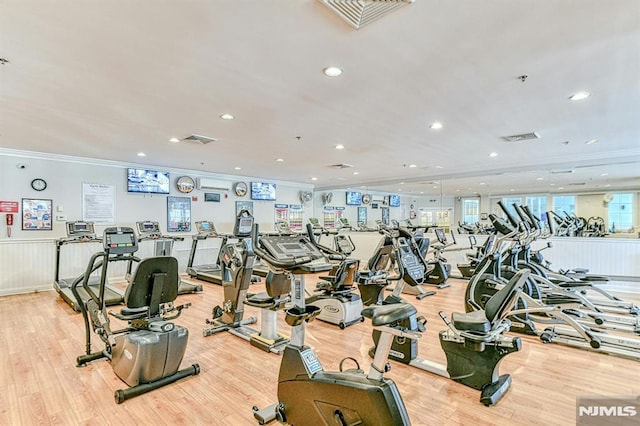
point(149, 181)
point(394, 200)
point(354, 198)
point(263, 191)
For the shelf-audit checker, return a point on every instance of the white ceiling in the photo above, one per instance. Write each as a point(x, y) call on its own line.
point(111, 78)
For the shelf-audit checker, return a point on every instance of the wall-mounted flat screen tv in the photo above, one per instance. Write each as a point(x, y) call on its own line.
point(354, 198)
point(148, 181)
point(263, 191)
point(394, 200)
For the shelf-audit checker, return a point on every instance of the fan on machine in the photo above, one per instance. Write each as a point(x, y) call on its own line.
point(305, 196)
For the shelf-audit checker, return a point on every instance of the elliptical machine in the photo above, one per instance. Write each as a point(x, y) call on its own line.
point(147, 354)
point(306, 393)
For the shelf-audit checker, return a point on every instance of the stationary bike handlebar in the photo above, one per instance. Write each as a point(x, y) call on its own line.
point(329, 252)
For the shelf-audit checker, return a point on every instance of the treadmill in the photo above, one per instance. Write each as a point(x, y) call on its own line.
point(210, 272)
point(81, 232)
point(163, 246)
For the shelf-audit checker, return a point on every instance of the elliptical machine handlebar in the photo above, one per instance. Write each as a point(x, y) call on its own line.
point(506, 211)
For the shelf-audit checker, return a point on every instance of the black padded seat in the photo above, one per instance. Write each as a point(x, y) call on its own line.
point(134, 311)
point(471, 321)
point(260, 300)
point(387, 314)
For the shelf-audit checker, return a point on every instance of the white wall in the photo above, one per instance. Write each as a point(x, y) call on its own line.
point(27, 259)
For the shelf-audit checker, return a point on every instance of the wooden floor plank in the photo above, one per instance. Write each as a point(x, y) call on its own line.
point(41, 337)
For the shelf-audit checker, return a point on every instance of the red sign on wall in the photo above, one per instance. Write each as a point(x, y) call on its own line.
point(9, 207)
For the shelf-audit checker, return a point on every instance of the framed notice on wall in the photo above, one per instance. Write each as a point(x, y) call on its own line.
point(178, 214)
point(36, 214)
point(99, 203)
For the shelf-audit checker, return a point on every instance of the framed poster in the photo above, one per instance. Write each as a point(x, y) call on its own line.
point(36, 214)
point(178, 214)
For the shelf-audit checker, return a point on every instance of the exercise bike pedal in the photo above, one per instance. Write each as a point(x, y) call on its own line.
point(422, 324)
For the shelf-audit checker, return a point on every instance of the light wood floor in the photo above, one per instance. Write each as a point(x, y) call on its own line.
point(40, 338)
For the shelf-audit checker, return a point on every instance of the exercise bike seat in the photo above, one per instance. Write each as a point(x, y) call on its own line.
point(471, 321)
point(387, 314)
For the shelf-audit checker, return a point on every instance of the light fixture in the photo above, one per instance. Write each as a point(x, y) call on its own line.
point(332, 71)
point(227, 117)
point(539, 178)
point(483, 183)
point(591, 142)
point(458, 190)
point(339, 146)
point(412, 166)
point(562, 187)
point(439, 167)
point(174, 140)
point(279, 160)
point(604, 174)
point(579, 96)
point(356, 173)
point(142, 154)
point(237, 168)
point(512, 190)
point(314, 178)
point(493, 154)
point(436, 125)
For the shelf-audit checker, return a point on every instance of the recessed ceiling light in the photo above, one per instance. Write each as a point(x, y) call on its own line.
point(493, 154)
point(482, 183)
point(607, 185)
point(591, 142)
point(227, 117)
point(401, 183)
point(332, 71)
point(314, 178)
point(237, 168)
point(562, 187)
point(434, 187)
point(540, 178)
point(552, 184)
point(579, 96)
point(436, 125)
point(356, 173)
point(174, 140)
point(422, 192)
point(279, 160)
point(512, 190)
point(439, 167)
point(142, 154)
point(412, 166)
point(604, 174)
point(457, 190)
point(339, 146)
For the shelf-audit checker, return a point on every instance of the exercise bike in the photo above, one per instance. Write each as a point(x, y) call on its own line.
point(306, 393)
point(474, 343)
point(147, 353)
point(237, 260)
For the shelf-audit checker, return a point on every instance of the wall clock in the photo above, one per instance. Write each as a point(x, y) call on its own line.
point(39, 184)
point(366, 199)
point(185, 184)
point(241, 189)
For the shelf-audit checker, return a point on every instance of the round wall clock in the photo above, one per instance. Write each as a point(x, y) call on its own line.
point(39, 184)
point(241, 189)
point(366, 199)
point(185, 184)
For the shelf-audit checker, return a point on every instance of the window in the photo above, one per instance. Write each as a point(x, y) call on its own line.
point(538, 206)
point(509, 202)
point(621, 213)
point(564, 203)
point(470, 210)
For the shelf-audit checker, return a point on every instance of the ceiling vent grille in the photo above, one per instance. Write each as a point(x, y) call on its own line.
point(341, 166)
point(199, 139)
point(522, 137)
point(577, 183)
point(561, 172)
point(359, 13)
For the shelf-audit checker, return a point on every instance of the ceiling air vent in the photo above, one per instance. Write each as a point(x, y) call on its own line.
point(522, 137)
point(561, 172)
point(341, 166)
point(359, 13)
point(578, 183)
point(199, 139)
